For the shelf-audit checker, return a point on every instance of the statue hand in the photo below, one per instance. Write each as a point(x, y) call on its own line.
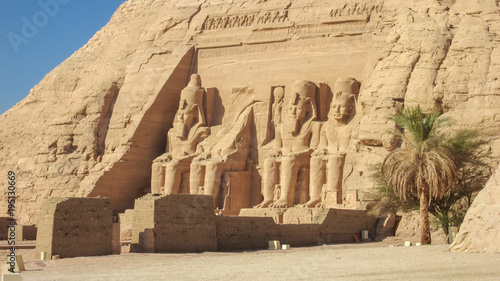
point(320, 152)
point(203, 156)
point(274, 154)
point(166, 157)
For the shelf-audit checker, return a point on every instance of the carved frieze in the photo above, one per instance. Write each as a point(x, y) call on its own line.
point(245, 20)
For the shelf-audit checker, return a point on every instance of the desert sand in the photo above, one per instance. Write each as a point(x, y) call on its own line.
point(366, 261)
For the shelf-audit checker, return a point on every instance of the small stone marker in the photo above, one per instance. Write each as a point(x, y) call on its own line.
point(417, 244)
point(285, 247)
point(9, 276)
point(274, 245)
point(407, 243)
point(19, 264)
point(364, 235)
point(43, 256)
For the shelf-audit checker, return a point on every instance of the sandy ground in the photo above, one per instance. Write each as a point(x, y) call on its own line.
point(368, 261)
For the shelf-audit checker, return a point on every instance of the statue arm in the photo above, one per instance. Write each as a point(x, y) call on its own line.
point(321, 149)
point(316, 134)
point(169, 141)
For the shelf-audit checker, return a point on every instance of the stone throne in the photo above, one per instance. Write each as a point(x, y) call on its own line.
point(170, 171)
point(223, 169)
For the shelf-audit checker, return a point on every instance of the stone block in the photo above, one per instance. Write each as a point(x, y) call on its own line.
point(179, 223)
point(9, 276)
point(275, 213)
point(19, 264)
point(4, 227)
point(72, 227)
point(274, 245)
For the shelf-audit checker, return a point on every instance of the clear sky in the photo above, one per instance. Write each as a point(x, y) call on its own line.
point(37, 35)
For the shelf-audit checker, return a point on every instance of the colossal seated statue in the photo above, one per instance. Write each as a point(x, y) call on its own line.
point(226, 153)
point(170, 171)
point(291, 153)
point(329, 158)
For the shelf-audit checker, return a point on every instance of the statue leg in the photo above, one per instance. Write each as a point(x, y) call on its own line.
point(195, 175)
point(288, 180)
point(173, 178)
point(316, 178)
point(268, 182)
point(170, 178)
point(213, 176)
point(157, 177)
point(335, 175)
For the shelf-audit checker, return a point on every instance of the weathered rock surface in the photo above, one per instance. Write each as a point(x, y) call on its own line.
point(409, 229)
point(95, 123)
point(480, 231)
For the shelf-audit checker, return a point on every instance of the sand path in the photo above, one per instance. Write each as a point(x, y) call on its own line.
point(369, 261)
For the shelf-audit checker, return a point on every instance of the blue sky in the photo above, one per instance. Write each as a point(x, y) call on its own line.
point(37, 35)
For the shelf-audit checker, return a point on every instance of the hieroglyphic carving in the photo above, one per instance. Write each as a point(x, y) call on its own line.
point(245, 20)
point(352, 25)
point(351, 9)
point(275, 119)
point(298, 46)
point(216, 41)
point(343, 27)
point(269, 35)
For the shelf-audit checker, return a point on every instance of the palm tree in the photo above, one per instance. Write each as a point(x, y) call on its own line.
point(421, 166)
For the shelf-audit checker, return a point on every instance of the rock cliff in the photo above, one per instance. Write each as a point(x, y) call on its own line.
point(480, 230)
point(94, 125)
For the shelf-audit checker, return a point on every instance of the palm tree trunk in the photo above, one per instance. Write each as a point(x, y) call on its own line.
point(425, 237)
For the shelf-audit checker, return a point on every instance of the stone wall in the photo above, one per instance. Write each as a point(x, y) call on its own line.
point(338, 225)
point(143, 216)
point(73, 227)
point(186, 223)
point(243, 233)
point(25, 232)
point(180, 223)
point(4, 228)
point(126, 220)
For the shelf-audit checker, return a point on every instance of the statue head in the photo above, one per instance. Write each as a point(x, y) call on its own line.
point(302, 106)
point(190, 111)
point(278, 94)
point(345, 91)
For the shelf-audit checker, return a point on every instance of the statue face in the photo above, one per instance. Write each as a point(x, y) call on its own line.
point(341, 106)
point(185, 118)
point(298, 106)
point(185, 113)
point(278, 94)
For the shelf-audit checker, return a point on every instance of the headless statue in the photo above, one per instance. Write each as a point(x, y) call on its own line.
point(227, 150)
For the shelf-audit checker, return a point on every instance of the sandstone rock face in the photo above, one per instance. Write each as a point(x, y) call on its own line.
point(481, 228)
point(409, 229)
point(94, 125)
